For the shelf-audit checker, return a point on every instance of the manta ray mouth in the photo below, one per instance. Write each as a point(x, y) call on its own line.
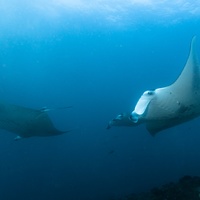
point(134, 117)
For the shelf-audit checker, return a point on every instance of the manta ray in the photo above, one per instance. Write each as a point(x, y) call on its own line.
point(26, 122)
point(169, 106)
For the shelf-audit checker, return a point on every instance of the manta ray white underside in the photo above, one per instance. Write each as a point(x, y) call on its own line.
point(169, 106)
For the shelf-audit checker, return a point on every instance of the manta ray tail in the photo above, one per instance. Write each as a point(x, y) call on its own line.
point(46, 109)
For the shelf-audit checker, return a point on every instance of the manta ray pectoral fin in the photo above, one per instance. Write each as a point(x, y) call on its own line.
point(155, 127)
point(190, 74)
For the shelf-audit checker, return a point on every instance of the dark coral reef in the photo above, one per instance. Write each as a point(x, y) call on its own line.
point(187, 188)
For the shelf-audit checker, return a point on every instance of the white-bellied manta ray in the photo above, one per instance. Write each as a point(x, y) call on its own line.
point(26, 122)
point(169, 106)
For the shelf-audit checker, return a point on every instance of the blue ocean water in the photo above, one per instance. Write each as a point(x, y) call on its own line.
point(97, 58)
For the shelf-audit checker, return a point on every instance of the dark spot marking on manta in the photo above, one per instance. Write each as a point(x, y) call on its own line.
point(151, 92)
point(184, 108)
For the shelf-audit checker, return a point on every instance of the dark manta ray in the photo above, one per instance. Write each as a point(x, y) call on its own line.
point(169, 106)
point(26, 122)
